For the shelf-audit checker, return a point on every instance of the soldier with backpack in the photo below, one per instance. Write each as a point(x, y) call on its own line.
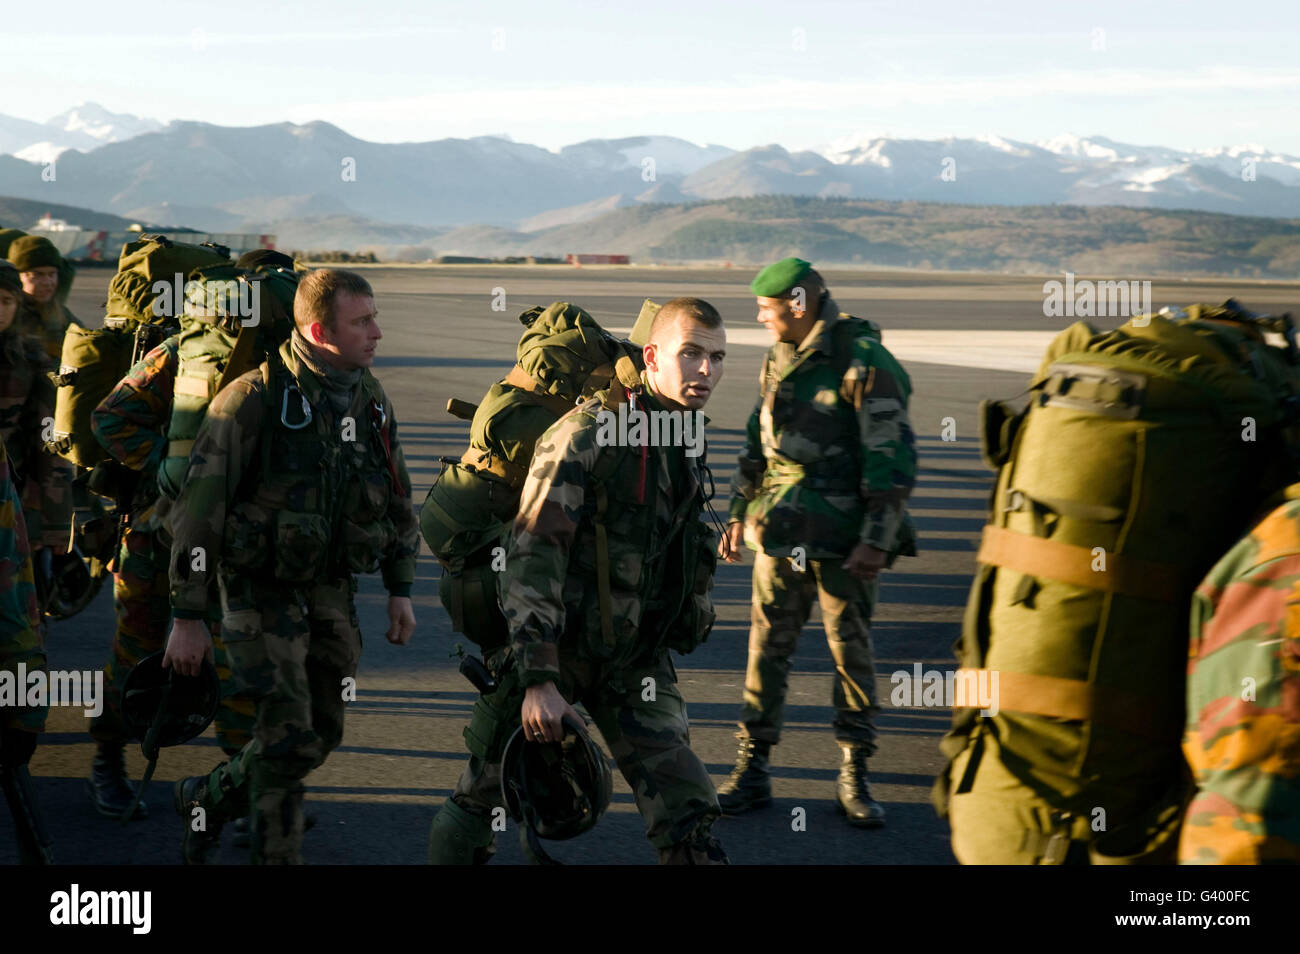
point(146, 425)
point(296, 483)
point(829, 460)
point(26, 403)
point(608, 567)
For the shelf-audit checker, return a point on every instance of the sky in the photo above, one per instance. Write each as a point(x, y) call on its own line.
point(1181, 74)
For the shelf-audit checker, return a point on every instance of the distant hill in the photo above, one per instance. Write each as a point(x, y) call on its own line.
point(1018, 239)
point(23, 213)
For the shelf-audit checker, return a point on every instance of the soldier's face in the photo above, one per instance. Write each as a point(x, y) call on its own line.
point(784, 319)
point(8, 308)
point(684, 363)
point(356, 333)
point(41, 283)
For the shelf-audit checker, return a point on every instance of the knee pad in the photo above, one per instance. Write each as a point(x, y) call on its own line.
point(458, 836)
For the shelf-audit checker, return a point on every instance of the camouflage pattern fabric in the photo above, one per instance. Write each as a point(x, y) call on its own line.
point(129, 423)
point(26, 403)
point(290, 642)
point(48, 324)
point(1243, 700)
point(829, 458)
point(20, 622)
point(549, 592)
point(782, 600)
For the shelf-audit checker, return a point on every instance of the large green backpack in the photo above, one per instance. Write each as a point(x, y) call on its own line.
point(144, 302)
point(1140, 458)
point(232, 318)
point(563, 356)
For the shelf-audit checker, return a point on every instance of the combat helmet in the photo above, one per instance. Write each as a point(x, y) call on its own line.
point(556, 790)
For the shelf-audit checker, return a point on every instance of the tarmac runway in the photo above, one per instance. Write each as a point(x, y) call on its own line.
point(962, 338)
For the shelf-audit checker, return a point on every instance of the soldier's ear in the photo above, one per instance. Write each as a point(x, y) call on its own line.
point(651, 354)
point(317, 333)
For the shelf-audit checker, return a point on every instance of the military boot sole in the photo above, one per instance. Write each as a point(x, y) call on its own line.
point(114, 811)
point(746, 805)
point(858, 821)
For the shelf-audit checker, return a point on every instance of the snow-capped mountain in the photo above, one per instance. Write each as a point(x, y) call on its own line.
point(83, 128)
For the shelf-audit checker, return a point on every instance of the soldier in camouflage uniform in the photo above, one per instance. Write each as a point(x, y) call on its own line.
point(26, 404)
point(829, 461)
point(572, 640)
point(1243, 701)
point(296, 482)
point(20, 643)
point(131, 424)
point(47, 279)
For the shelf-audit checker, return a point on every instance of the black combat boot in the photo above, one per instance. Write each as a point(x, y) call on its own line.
point(201, 842)
point(750, 785)
point(854, 796)
point(108, 787)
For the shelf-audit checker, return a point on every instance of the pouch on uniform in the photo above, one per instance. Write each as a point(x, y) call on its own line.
point(562, 357)
point(301, 541)
point(1141, 458)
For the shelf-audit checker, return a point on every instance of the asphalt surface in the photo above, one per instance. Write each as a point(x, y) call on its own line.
point(403, 750)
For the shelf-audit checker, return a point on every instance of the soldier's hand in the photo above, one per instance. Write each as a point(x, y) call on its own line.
point(865, 562)
point(542, 712)
point(187, 646)
point(401, 620)
point(731, 546)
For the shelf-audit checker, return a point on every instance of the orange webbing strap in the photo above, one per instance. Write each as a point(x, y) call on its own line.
point(1067, 563)
point(525, 382)
point(1072, 699)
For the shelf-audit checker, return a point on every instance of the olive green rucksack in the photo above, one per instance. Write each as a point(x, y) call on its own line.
point(1140, 458)
point(143, 308)
point(219, 341)
point(563, 357)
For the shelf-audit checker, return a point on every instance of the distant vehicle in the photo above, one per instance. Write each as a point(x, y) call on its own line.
point(584, 259)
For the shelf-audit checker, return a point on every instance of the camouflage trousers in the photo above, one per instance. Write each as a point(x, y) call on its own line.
point(650, 742)
point(142, 605)
point(782, 602)
point(291, 648)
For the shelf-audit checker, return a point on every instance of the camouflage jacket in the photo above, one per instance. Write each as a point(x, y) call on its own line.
point(26, 404)
point(829, 455)
point(660, 554)
point(50, 327)
point(20, 630)
point(1243, 700)
point(131, 424)
point(292, 499)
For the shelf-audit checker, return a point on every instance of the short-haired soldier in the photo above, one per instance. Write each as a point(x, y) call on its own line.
point(297, 482)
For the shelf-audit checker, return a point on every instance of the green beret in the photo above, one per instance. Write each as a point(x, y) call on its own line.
point(34, 251)
point(779, 277)
point(9, 277)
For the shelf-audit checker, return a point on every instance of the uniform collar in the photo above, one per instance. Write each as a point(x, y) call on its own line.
point(820, 336)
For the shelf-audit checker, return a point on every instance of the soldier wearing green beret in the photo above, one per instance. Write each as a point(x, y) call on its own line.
point(829, 460)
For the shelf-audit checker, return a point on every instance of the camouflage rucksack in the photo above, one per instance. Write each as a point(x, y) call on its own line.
point(144, 302)
point(232, 318)
point(563, 357)
point(1140, 458)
